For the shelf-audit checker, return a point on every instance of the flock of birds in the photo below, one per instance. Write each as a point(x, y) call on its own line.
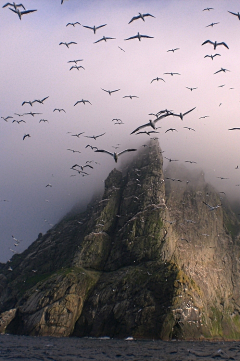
point(149, 128)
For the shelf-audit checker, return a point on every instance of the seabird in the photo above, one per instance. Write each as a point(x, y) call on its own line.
point(6, 118)
point(41, 101)
point(14, 5)
point(181, 115)
point(157, 79)
point(172, 129)
point(67, 44)
point(110, 91)
point(190, 161)
point(222, 69)
point(73, 24)
point(212, 24)
point(172, 74)
point(189, 128)
point(59, 110)
point(20, 13)
point(148, 133)
point(211, 208)
point(151, 123)
point(215, 43)
point(77, 135)
point(75, 61)
point(205, 116)
point(171, 160)
point(74, 151)
point(105, 38)
point(49, 185)
point(29, 102)
point(121, 49)
point(43, 120)
point(211, 56)
point(234, 129)
point(77, 67)
point(91, 147)
point(114, 154)
point(94, 136)
point(140, 16)
point(237, 14)
point(191, 88)
point(208, 9)
point(94, 28)
point(139, 36)
point(82, 101)
point(26, 135)
point(173, 50)
point(31, 113)
point(130, 96)
point(222, 178)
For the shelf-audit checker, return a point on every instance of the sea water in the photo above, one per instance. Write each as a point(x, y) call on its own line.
point(85, 349)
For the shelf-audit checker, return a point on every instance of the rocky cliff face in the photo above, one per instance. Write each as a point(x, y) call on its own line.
point(149, 260)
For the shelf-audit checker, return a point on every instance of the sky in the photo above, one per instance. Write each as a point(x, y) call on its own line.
point(34, 66)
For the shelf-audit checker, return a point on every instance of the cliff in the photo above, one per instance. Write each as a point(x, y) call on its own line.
point(148, 260)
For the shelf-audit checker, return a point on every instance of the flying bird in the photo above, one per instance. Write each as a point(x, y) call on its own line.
point(148, 133)
point(171, 160)
point(114, 154)
point(130, 96)
point(139, 36)
point(94, 136)
point(31, 113)
point(181, 115)
point(43, 120)
point(222, 178)
point(151, 123)
point(189, 128)
point(75, 61)
point(234, 129)
point(190, 161)
point(121, 49)
point(191, 88)
point(222, 69)
point(105, 38)
point(212, 24)
point(157, 79)
point(74, 151)
point(59, 110)
point(77, 67)
point(91, 147)
point(29, 102)
point(67, 44)
point(26, 136)
point(94, 28)
point(211, 56)
point(82, 101)
point(173, 50)
point(77, 135)
point(6, 118)
point(211, 208)
point(236, 14)
point(20, 13)
point(73, 24)
point(140, 16)
point(172, 74)
point(14, 5)
point(110, 91)
point(171, 129)
point(208, 9)
point(40, 101)
point(215, 43)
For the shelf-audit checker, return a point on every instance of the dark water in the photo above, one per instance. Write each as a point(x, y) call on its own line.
point(85, 349)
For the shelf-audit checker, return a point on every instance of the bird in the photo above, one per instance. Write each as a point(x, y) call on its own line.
point(67, 44)
point(130, 96)
point(148, 133)
point(172, 74)
point(234, 129)
point(6, 118)
point(18, 121)
point(212, 24)
point(211, 208)
point(49, 185)
point(215, 43)
point(171, 160)
point(74, 151)
point(222, 178)
point(77, 135)
point(114, 154)
point(105, 38)
point(222, 69)
point(208, 9)
point(73, 24)
point(75, 61)
point(171, 129)
point(77, 67)
point(173, 50)
point(139, 36)
point(190, 161)
point(20, 13)
point(151, 123)
point(121, 49)
point(211, 56)
point(40, 101)
point(59, 110)
point(189, 128)
point(82, 101)
point(26, 136)
point(94, 136)
point(29, 102)
point(205, 116)
point(181, 115)
point(157, 79)
point(31, 113)
point(110, 91)
point(236, 14)
point(14, 5)
point(191, 88)
point(88, 145)
point(43, 120)
point(140, 16)
point(19, 115)
point(94, 28)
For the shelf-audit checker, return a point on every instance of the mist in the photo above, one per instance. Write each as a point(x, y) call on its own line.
point(34, 66)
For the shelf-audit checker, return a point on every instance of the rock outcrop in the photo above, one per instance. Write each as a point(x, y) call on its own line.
point(148, 260)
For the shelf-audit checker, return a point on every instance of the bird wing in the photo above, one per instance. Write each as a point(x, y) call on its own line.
point(105, 90)
point(147, 36)
point(208, 41)
point(72, 42)
point(27, 11)
point(112, 91)
point(228, 11)
point(218, 71)
point(132, 37)
point(222, 43)
point(134, 18)
point(104, 151)
point(127, 150)
point(98, 40)
point(100, 135)
point(148, 15)
point(100, 26)
point(140, 127)
point(88, 27)
point(189, 111)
